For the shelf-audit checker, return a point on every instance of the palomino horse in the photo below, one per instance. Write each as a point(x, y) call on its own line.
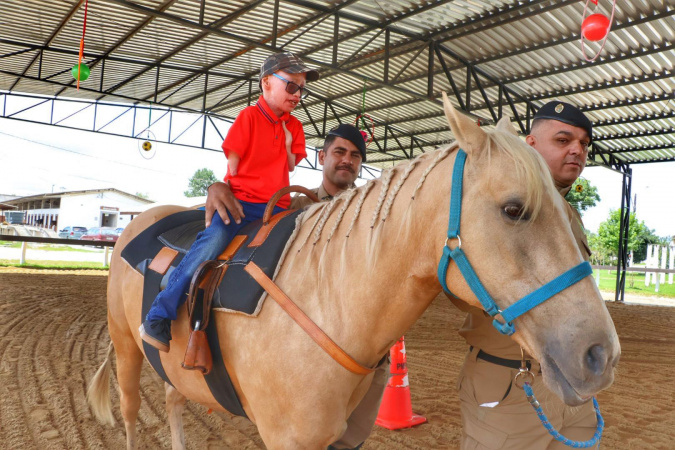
point(364, 268)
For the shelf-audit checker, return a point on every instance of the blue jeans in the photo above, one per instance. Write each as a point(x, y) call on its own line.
point(209, 244)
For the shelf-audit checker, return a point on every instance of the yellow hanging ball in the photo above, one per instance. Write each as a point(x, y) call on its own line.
point(147, 146)
point(580, 188)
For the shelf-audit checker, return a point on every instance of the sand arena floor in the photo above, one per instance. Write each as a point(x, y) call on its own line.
point(53, 337)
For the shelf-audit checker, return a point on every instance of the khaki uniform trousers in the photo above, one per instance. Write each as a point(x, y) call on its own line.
point(360, 422)
point(512, 423)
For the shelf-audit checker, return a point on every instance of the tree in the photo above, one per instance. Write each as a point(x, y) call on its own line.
point(599, 255)
point(583, 195)
point(640, 253)
point(142, 195)
point(200, 182)
point(608, 234)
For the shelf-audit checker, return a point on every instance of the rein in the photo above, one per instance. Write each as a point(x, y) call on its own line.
point(505, 325)
point(517, 309)
point(524, 379)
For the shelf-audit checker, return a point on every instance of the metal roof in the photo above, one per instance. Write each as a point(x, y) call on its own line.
point(493, 57)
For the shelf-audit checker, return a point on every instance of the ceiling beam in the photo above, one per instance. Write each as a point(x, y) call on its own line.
point(635, 134)
point(50, 39)
point(164, 6)
point(248, 41)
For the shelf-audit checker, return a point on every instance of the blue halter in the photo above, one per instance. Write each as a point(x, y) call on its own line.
point(520, 307)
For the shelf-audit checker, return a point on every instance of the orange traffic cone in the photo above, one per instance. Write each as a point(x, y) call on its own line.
point(396, 408)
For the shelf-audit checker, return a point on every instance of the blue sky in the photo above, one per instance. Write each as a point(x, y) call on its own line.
point(37, 158)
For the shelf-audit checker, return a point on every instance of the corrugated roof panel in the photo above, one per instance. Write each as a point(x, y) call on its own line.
point(158, 39)
point(531, 46)
point(215, 11)
point(28, 21)
point(106, 24)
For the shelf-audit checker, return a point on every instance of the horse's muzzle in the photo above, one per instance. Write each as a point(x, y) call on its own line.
point(577, 383)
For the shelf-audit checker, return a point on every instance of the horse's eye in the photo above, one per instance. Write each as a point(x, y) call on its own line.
point(514, 212)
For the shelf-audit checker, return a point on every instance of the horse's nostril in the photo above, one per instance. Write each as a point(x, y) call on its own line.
point(596, 359)
point(615, 361)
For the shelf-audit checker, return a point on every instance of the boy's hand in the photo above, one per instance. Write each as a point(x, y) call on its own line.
point(289, 137)
point(289, 142)
point(220, 198)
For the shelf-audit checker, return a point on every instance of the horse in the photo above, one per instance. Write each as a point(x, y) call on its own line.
point(363, 267)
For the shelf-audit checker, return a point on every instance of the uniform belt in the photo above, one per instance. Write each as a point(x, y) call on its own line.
point(511, 363)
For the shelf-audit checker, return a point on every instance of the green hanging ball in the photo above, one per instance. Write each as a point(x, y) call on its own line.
point(84, 72)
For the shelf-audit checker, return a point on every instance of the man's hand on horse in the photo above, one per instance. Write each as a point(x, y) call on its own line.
point(221, 199)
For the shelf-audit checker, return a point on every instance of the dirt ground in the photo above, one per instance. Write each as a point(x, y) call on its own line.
point(53, 337)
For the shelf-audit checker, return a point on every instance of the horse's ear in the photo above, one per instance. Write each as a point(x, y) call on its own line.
point(505, 125)
point(467, 132)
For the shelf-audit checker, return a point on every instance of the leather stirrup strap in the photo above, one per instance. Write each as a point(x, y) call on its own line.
point(207, 277)
point(325, 342)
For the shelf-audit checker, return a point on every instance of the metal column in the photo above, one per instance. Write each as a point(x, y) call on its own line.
point(623, 235)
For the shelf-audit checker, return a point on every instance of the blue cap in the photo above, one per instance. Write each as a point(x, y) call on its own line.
point(566, 113)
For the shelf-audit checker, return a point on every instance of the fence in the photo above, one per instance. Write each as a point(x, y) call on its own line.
point(74, 242)
point(645, 270)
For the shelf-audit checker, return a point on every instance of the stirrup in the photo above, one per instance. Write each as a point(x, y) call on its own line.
point(202, 287)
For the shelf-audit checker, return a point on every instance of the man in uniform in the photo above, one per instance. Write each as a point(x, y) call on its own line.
point(496, 413)
point(341, 159)
point(341, 156)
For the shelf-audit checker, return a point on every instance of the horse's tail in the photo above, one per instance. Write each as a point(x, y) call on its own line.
point(98, 394)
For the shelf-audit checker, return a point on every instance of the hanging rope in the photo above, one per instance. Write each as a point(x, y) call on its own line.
point(363, 103)
point(369, 129)
point(555, 433)
point(84, 29)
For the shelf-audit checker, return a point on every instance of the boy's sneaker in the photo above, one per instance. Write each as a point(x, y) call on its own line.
point(157, 333)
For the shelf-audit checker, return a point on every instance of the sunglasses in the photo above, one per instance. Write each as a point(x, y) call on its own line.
point(292, 88)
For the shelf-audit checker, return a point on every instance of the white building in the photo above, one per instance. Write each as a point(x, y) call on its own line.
point(91, 208)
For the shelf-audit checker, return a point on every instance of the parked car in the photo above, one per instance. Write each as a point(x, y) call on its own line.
point(100, 234)
point(72, 232)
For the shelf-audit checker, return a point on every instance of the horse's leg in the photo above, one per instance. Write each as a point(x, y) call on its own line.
point(175, 403)
point(129, 365)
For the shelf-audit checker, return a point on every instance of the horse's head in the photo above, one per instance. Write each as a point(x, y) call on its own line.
point(516, 232)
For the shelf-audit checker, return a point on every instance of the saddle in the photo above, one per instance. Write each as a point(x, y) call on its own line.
point(156, 252)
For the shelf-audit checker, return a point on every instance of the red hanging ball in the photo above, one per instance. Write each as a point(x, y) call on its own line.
point(595, 27)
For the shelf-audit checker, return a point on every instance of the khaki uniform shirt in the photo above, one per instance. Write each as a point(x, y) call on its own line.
point(478, 330)
point(300, 201)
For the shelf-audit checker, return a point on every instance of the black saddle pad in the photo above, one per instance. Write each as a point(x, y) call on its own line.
point(177, 231)
point(237, 292)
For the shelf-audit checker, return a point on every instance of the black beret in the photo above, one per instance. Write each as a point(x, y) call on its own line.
point(566, 113)
point(353, 135)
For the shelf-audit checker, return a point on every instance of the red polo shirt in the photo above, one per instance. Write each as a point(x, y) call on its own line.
point(258, 138)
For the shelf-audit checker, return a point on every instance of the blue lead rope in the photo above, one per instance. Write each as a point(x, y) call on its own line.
point(555, 433)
